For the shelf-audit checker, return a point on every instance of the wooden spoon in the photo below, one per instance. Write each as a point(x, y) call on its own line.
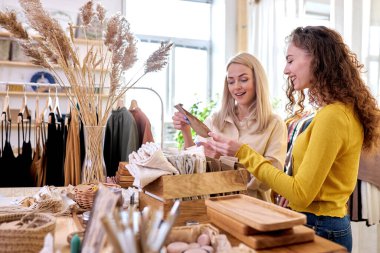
point(198, 126)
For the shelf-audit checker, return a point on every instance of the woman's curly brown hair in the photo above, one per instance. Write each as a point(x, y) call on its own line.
point(336, 71)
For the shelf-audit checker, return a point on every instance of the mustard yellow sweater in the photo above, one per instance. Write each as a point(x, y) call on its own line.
point(325, 163)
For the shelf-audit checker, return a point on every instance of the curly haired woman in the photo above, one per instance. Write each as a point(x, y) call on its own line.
point(326, 155)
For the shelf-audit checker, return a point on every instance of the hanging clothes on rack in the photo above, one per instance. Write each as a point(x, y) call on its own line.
point(44, 167)
point(8, 157)
point(54, 147)
point(1, 149)
point(121, 139)
point(38, 167)
point(73, 165)
point(354, 204)
point(144, 127)
point(364, 202)
point(4, 134)
point(369, 168)
point(22, 176)
point(370, 203)
point(296, 125)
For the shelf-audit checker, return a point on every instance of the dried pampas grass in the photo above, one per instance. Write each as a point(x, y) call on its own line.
point(90, 79)
point(54, 47)
point(8, 20)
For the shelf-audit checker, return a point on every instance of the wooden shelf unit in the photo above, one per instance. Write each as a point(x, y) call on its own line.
point(79, 41)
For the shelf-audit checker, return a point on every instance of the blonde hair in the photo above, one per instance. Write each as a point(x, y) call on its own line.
point(261, 108)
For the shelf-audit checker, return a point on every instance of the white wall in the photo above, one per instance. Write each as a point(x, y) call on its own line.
point(223, 34)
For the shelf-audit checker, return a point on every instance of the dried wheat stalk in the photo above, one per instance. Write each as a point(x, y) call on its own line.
point(53, 48)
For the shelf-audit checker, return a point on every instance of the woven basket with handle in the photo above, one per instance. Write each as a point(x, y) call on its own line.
point(20, 232)
point(85, 194)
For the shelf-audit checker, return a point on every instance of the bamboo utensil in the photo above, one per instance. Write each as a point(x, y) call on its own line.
point(136, 232)
point(165, 228)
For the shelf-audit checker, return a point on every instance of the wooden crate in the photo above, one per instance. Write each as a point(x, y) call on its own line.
point(166, 189)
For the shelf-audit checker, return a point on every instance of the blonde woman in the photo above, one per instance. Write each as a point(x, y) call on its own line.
point(245, 116)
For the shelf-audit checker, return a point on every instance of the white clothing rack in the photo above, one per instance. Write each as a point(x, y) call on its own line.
point(55, 85)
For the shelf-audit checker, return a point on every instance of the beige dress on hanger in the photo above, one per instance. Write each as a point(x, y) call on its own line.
point(72, 167)
point(38, 166)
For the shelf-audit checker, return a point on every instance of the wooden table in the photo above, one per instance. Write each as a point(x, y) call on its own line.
point(66, 225)
point(319, 245)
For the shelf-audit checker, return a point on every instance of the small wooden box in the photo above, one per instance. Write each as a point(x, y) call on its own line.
point(123, 177)
point(164, 190)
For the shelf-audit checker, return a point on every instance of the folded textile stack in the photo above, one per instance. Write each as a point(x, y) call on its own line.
point(189, 161)
point(148, 164)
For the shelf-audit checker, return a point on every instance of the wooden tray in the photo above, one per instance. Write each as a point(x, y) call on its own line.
point(255, 213)
point(297, 234)
point(231, 225)
point(258, 239)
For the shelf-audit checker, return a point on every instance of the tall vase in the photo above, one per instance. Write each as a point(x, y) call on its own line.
point(94, 168)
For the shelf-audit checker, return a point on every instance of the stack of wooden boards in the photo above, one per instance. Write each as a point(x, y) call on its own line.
point(257, 223)
point(123, 177)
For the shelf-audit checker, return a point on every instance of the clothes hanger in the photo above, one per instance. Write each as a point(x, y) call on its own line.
point(48, 108)
point(50, 102)
point(6, 111)
point(24, 111)
point(37, 107)
point(68, 115)
point(133, 105)
point(57, 109)
point(120, 103)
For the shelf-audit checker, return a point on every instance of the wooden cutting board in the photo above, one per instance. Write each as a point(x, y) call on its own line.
point(229, 224)
point(256, 213)
point(258, 239)
point(298, 234)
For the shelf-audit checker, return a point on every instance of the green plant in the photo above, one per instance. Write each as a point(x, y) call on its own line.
point(201, 114)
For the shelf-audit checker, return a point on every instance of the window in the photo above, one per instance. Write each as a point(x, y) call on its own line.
point(357, 21)
point(186, 79)
point(374, 60)
point(371, 45)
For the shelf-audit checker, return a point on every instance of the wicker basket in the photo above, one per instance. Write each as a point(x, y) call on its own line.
point(29, 233)
point(85, 194)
